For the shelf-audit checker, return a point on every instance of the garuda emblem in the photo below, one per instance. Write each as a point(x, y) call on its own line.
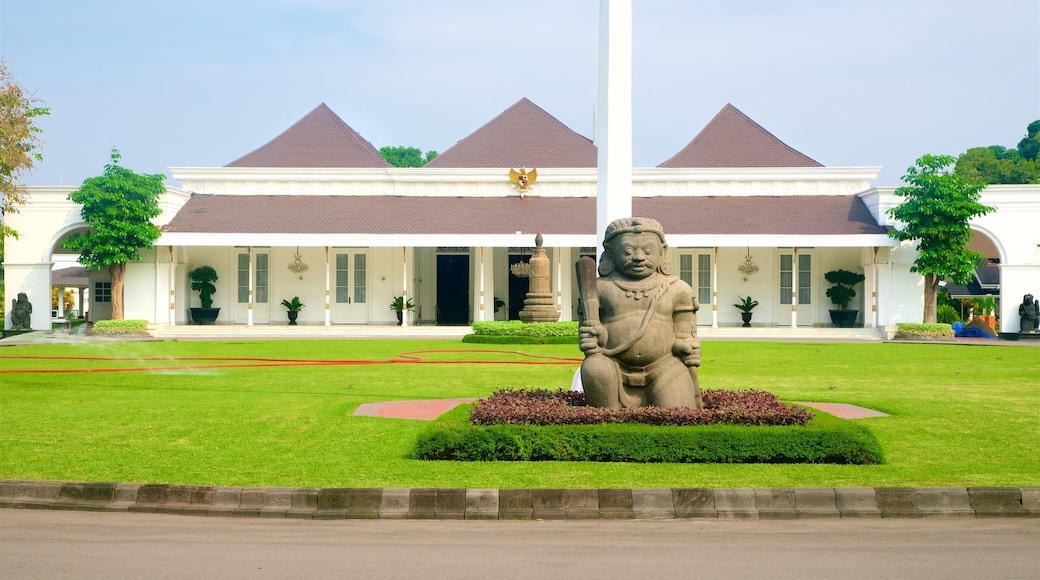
point(523, 180)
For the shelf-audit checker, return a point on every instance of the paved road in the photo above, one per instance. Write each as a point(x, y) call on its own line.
point(59, 544)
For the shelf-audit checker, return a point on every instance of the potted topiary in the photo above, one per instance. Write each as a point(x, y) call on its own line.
point(202, 279)
point(841, 293)
point(293, 308)
point(746, 305)
point(399, 304)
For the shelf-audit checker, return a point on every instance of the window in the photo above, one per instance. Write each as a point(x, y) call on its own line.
point(700, 278)
point(787, 279)
point(102, 292)
point(260, 263)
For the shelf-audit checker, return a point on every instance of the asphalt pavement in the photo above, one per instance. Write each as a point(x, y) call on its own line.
point(68, 544)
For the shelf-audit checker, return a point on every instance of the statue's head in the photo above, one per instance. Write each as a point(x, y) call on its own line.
point(635, 248)
point(22, 297)
point(1027, 299)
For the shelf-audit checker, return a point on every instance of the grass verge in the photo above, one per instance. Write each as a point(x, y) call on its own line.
point(960, 415)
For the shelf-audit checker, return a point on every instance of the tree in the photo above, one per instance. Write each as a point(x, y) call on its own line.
point(406, 156)
point(997, 164)
point(1029, 146)
point(119, 207)
point(19, 141)
point(936, 212)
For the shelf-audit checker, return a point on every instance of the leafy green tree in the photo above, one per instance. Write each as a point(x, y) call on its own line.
point(119, 207)
point(997, 164)
point(1029, 146)
point(937, 208)
point(19, 144)
point(406, 156)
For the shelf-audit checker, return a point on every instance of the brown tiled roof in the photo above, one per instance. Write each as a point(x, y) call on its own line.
point(402, 215)
point(74, 276)
point(319, 139)
point(523, 135)
point(732, 139)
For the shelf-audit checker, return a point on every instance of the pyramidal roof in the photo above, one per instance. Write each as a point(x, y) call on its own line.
point(319, 139)
point(523, 135)
point(732, 139)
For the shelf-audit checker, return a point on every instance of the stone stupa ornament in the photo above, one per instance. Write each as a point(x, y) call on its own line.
point(539, 305)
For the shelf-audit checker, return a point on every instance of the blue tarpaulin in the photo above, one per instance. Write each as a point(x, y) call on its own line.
point(961, 330)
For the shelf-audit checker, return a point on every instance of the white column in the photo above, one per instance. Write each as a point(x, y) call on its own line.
point(558, 274)
point(614, 119)
point(794, 288)
point(252, 276)
point(172, 283)
point(715, 288)
point(328, 290)
point(404, 284)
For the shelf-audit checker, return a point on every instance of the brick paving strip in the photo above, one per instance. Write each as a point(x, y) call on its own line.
point(525, 504)
point(425, 410)
point(844, 410)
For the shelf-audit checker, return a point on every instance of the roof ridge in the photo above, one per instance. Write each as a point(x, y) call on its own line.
point(733, 139)
point(318, 139)
point(523, 134)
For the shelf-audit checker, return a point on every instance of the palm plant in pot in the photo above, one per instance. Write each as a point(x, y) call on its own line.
point(399, 304)
point(841, 294)
point(746, 305)
point(293, 308)
point(202, 279)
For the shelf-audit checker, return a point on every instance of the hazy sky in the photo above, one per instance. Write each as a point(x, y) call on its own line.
point(193, 83)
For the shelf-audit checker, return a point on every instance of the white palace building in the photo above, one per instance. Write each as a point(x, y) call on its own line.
point(318, 213)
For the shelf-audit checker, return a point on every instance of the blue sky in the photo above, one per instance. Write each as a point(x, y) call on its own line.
point(192, 83)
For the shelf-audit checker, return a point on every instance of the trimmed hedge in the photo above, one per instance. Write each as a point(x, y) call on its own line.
point(825, 440)
point(915, 329)
point(120, 327)
point(517, 332)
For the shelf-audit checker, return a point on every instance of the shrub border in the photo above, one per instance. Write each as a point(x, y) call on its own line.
point(825, 439)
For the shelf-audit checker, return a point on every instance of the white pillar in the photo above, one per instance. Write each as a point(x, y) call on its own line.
point(404, 284)
point(172, 283)
point(328, 290)
point(557, 258)
point(614, 120)
point(252, 277)
point(794, 288)
point(715, 288)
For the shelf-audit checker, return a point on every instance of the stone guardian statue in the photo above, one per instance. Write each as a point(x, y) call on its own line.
point(21, 312)
point(639, 323)
point(1029, 314)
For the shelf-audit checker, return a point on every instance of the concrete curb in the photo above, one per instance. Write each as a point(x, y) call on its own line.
point(525, 504)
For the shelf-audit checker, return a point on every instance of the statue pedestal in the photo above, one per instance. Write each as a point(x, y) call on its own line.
point(539, 308)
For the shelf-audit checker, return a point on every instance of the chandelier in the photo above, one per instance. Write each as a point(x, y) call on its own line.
point(521, 269)
point(297, 266)
point(748, 267)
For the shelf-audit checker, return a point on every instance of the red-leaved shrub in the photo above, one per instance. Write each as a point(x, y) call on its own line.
point(545, 407)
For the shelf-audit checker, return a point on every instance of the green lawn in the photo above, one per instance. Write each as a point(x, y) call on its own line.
point(961, 415)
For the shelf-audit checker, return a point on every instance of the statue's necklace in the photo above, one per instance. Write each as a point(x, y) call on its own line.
point(639, 290)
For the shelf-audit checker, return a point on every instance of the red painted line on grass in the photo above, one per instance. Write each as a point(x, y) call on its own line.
point(407, 358)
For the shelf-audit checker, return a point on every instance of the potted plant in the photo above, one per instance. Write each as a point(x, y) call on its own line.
point(399, 304)
point(202, 279)
point(841, 293)
point(746, 305)
point(293, 307)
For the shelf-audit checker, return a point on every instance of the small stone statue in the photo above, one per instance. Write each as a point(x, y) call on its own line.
point(1029, 313)
point(639, 323)
point(21, 312)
